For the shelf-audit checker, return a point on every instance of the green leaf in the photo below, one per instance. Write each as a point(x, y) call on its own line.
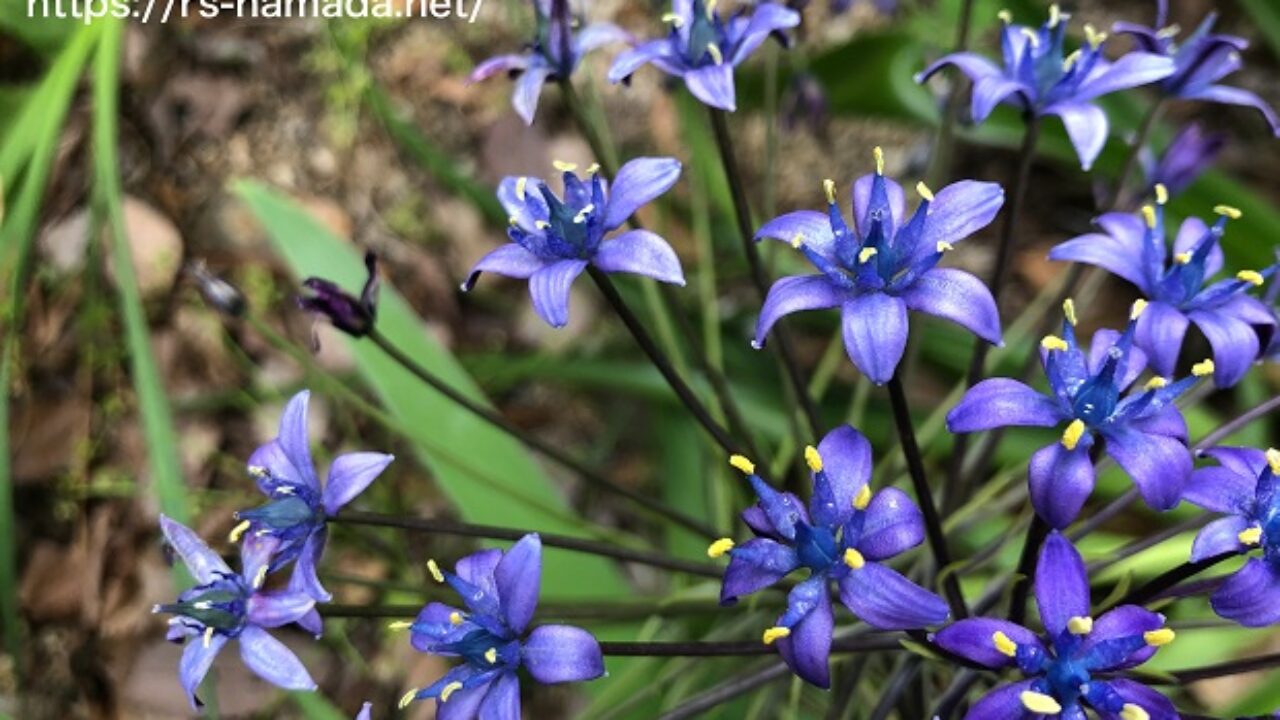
point(315, 706)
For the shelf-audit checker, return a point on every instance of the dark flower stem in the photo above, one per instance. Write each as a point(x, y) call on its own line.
point(595, 479)
point(491, 532)
point(1152, 589)
point(598, 610)
point(726, 691)
point(1036, 533)
point(660, 360)
point(862, 643)
point(944, 145)
point(932, 523)
point(1134, 152)
point(742, 214)
point(1224, 669)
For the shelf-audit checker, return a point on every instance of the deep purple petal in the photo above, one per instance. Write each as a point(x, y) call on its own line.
point(766, 19)
point(272, 661)
point(508, 260)
point(276, 609)
point(197, 657)
point(464, 704)
point(1159, 465)
point(1221, 489)
point(893, 524)
point(637, 183)
point(562, 653)
point(1167, 421)
point(1062, 584)
point(312, 623)
point(884, 599)
point(1003, 703)
point(846, 460)
point(973, 65)
point(628, 61)
point(527, 207)
point(1086, 126)
point(366, 712)
point(758, 520)
point(1235, 345)
point(862, 190)
point(280, 471)
point(1190, 233)
point(643, 253)
point(598, 35)
point(478, 569)
point(1134, 363)
point(524, 98)
point(1160, 331)
point(294, 441)
point(304, 578)
point(205, 564)
point(755, 565)
point(1061, 480)
point(974, 639)
point(957, 296)
point(1248, 462)
point(1000, 402)
point(1130, 70)
point(988, 92)
point(713, 85)
point(1116, 256)
point(519, 578)
point(960, 210)
point(1157, 706)
point(1220, 536)
point(1236, 96)
point(1110, 645)
point(807, 649)
point(498, 64)
point(349, 475)
point(875, 334)
point(502, 702)
point(812, 227)
point(549, 288)
point(793, 294)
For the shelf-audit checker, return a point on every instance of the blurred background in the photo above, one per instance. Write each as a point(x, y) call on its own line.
point(267, 150)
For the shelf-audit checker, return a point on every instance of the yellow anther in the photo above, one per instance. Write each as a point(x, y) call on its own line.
point(563, 166)
point(1253, 277)
point(1055, 15)
point(1071, 59)
point(866, 254)
point(408, 698)
point(1133, 712)
point(450, 689)
point(863, 498)
point(1093, 37)
point(711, 9)
point(1250, 536)
point(1202, 368)
point(1071, 436)
point(1039, 703)
point(593, 168)
point(1080, 625)
point(829, 187)
point(1069, 309)
point(1170, 31)
point(1005, 16)
point(797, 241)
point(878, 153)
point(491, 655)
point(208, 637)
point(586, 210)
point(1162, 193)
point(541, 224)
point(854, 559)
point(260, 577)
point(714, 51)
point(1139, 306)
point(1158, 638)
point(455, 618)
point(1003, 644)
point(943, 246)
point(812, 458)
point(1032, 36)
point(1149, 215)
point(1273, 460)
point(521, 184)
point(719, 547)
point(513, 221)
point(743, 464)
point(673, 18)
point(399, 625)
point(1182, 258)
point(1155, 383)
point(1228, 211)
point(775, 633)
point(924, 191)
point(238, 531)
point(434, 569)
point(1053, 342)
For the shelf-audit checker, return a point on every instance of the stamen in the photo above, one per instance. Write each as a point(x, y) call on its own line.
point(1053, 342)
point(797, 241)
point(581, 217)
point(512, 221)
point(1039, 703)
point(719, 547)
point(711, 9)
point(854, 559)
point(521, 184)
point(455, 618)
point(399, 625)
point(943, 246)
point(1071, 436)
point(1139, 306)
point(1182, 258)
point(260, 577)
point(202, 605)
point(829, 187)
point(1250, 536)
point(674, 19)
point(1093, 37)
point(866, 254)
point(449, 689)
point(812, 458)
point(774, 633)
point(742, 464)
point(434, 569)
point(238, 531)
point(1170, 31)
point(1080, 625)
point(1155, 383)
point(1228, 211)
point(491, 655)
point(563, 166)
point(1055, 15)
point(863, 498)
point(1005, 17)
point(878, 153)
point(1253, 277)
point(541, 224)
point(408, 698)
point(1069, 309)
point(1071, 59)
point(1158, 638)
point(1149, 215)
point(1133, 712)
point(208, 637)
point(1273, 460)
point(1031, 35)
point(714, 51)
point(1162, 194)
point(924, 191)
point(593, 168)
point(257, 471)
point(1202, 368)
point(1003, 644)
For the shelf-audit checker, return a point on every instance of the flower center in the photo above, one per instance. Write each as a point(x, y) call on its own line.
point(816, 547)
point(219, 606)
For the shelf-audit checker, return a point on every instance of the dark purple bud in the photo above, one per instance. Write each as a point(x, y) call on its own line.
point(805, 103)
point(354, 316)
point(220, 294)
point(1188, 155)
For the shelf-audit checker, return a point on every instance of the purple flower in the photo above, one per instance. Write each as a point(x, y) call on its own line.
point(1189, 154)
point(1073, 665)
point(553, 54)
point(1200, 60)
point(885, 265)
point(553, 240)
point(352, 315)
point(298, 508)
point(500, 591)
point(843, 538)
point(366, 712)
point(1243, 486)
point(1144, 431)
point(1133, 247)
point(225, 605)
point(703, 48)
point(1272, 300)
point(1040, 78)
